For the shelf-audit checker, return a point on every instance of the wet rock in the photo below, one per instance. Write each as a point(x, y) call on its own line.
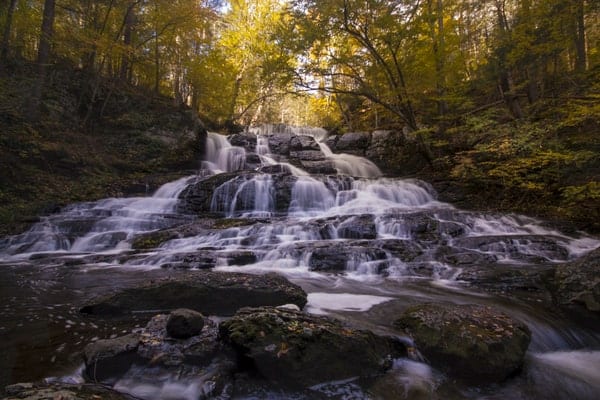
point(109, 358)
point(323, 167)
point(154, 350)
point(184, 323)
point(578, 282)
point(279, 143)
point(253, 161)
point(301, 350)
point(539, 248)
point(248, 142)
point(298, 143)
point(61, 391)
point(331, 142)
point(283, 185)
point(405, 250)
point(211, 293)
point(360, 227)
point(353, 143)
point(339, 257)
point(307, 155)
point(197, 197)
point(471, 342)
point(152, 240)
point(158, 347)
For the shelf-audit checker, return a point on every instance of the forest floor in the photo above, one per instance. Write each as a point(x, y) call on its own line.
point(94, 140)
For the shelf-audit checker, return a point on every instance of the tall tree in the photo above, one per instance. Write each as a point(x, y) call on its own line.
point(7, 31)
point(44, 47)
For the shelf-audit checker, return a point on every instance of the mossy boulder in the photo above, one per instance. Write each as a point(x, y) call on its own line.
point(474, 343)
point(211, 293)
point(184, 323)
point(296, 349)
point(578, 282)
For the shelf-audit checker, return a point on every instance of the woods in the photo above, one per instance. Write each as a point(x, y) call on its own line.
point(345, 63)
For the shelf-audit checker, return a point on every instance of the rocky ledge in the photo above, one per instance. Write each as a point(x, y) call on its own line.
point(296, 349)
point(470, 342)
point(211, 293)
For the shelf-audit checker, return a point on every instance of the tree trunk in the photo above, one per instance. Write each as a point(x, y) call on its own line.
point(581, 59)
point(6, 35)
point(46, 34)
point(127, 40)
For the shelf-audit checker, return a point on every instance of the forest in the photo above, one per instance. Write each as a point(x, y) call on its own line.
point(300, 199)
point(347, 64)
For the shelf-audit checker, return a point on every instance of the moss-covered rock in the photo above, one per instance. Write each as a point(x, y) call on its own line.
point(299, 350)
point(471, 342)
point(578, 282)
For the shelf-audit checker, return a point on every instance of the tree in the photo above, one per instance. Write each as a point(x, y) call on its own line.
point(44, 47)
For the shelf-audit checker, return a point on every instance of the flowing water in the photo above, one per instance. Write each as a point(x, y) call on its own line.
point(363, 246)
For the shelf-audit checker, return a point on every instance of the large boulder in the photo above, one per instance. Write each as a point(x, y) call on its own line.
point(247, 141)
point(279, 143)
point(353, 143)
point(108, 358)
point(211, 293)
point(471, 342)
point(300, 350)
point(298, 143)
point(184, 323)
point(578, 282)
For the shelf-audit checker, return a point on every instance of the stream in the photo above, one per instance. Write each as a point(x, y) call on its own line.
point(363, 246)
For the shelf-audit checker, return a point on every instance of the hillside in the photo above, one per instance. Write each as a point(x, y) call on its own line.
point(131, 142)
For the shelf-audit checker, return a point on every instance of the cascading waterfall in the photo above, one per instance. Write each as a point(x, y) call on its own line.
point(359, 239)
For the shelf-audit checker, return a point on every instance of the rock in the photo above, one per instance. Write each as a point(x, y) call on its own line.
point(341, 256)
point(247, 141)
point(157, 346)
point(156, 353)
point(109, 358)
point(211, 293)
point(471, 342)
point(324, 167)
point(62, 391)
point(184, 323)
point(197, 197)
point(331, 142)
point(360, 227)
point(578, 282)
point(306, 155)
point(353, 143)
point(253, 161)
point(298, 143)
point(279, 143)
point(546, 248)
point(301, 350)
point(216, 193)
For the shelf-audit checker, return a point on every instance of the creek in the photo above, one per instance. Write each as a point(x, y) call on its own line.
point(362, 245)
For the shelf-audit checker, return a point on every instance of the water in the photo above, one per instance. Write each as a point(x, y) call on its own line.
point(363, 246)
